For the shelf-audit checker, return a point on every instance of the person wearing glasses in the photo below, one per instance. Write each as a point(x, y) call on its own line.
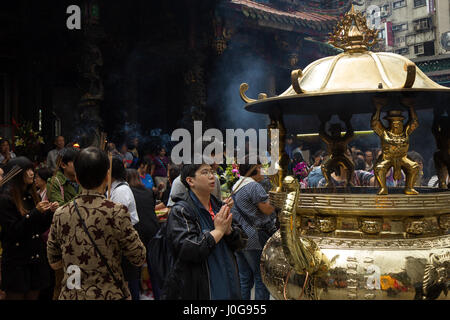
point(204, 236)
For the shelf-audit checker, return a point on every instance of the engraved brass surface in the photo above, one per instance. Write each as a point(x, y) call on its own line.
point(367, 204)
point(370, 225)
point(415, 226)
point(364, 270)
point(326, 224)
point(444, 222)
point(348, 254)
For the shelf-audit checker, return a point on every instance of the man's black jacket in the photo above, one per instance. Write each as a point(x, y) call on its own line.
point(189, 279)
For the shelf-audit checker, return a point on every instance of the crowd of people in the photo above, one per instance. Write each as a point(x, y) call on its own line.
point(308, 169)
point(81, 209)
point(67, 212)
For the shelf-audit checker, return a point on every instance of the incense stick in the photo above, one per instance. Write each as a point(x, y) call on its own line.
point(109, 175)
point(58, 163)
point(103, 141)
point(10, 175)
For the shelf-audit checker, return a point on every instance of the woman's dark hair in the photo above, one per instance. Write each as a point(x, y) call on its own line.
point(130, 143)
point(133, 179)
point(91, 166)
point(360, 164)
point(16, 187)
point(174, 172)
point(44, 173)
point(246, 167)
point(298, 157)
point(189, 170)
point(118, 170)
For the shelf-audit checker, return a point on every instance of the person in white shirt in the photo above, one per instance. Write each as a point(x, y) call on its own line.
point(53, 154)
point(120, 190)
point(122, 193)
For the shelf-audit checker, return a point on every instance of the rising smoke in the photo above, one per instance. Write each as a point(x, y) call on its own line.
point(235, 66)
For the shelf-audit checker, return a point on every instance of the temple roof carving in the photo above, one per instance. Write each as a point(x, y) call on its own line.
point(315, 19)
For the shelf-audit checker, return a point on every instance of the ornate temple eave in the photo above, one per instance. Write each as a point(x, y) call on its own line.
point(311, 23)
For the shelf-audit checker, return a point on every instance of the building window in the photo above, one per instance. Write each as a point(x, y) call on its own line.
point(399, 4)
point(381, 34)
point(402, 51)
point(400, 27)
point(418, 49)
point(384, 11)
point(399, 40)
point(420, 3)
point(421, 24)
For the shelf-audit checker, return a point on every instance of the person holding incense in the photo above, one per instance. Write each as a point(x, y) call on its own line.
point(23, 218)
point(62, 187)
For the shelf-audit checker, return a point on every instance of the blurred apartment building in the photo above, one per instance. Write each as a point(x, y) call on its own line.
point(416, 29)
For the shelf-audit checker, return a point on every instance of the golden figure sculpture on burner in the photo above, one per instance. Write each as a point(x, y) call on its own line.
point(337, 148)
point(441, 132)
point(395, 145)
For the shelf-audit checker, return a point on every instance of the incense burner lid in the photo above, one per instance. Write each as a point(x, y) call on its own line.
point(349, 80)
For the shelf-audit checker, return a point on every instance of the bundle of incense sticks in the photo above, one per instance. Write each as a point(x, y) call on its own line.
point(10, 175)
point(103, 140)
point(109, 174)
point(58, 162)
point(103, 145)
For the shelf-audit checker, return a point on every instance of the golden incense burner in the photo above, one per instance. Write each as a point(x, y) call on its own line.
point(360, 242)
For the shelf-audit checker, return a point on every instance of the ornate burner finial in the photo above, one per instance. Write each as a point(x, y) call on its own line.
point(352, 34)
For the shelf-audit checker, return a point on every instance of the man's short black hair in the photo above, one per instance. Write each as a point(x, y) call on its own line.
point(69, 154)
point(91, 166)
point(360, 164)
point(45, 173)
point(5, 140)
point(118, 171)
point(142, 161)
point(189, 170)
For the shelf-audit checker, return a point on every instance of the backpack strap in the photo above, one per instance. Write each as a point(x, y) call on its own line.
point(121, 184)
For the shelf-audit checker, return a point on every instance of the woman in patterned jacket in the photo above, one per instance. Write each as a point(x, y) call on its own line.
point(109, 226)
